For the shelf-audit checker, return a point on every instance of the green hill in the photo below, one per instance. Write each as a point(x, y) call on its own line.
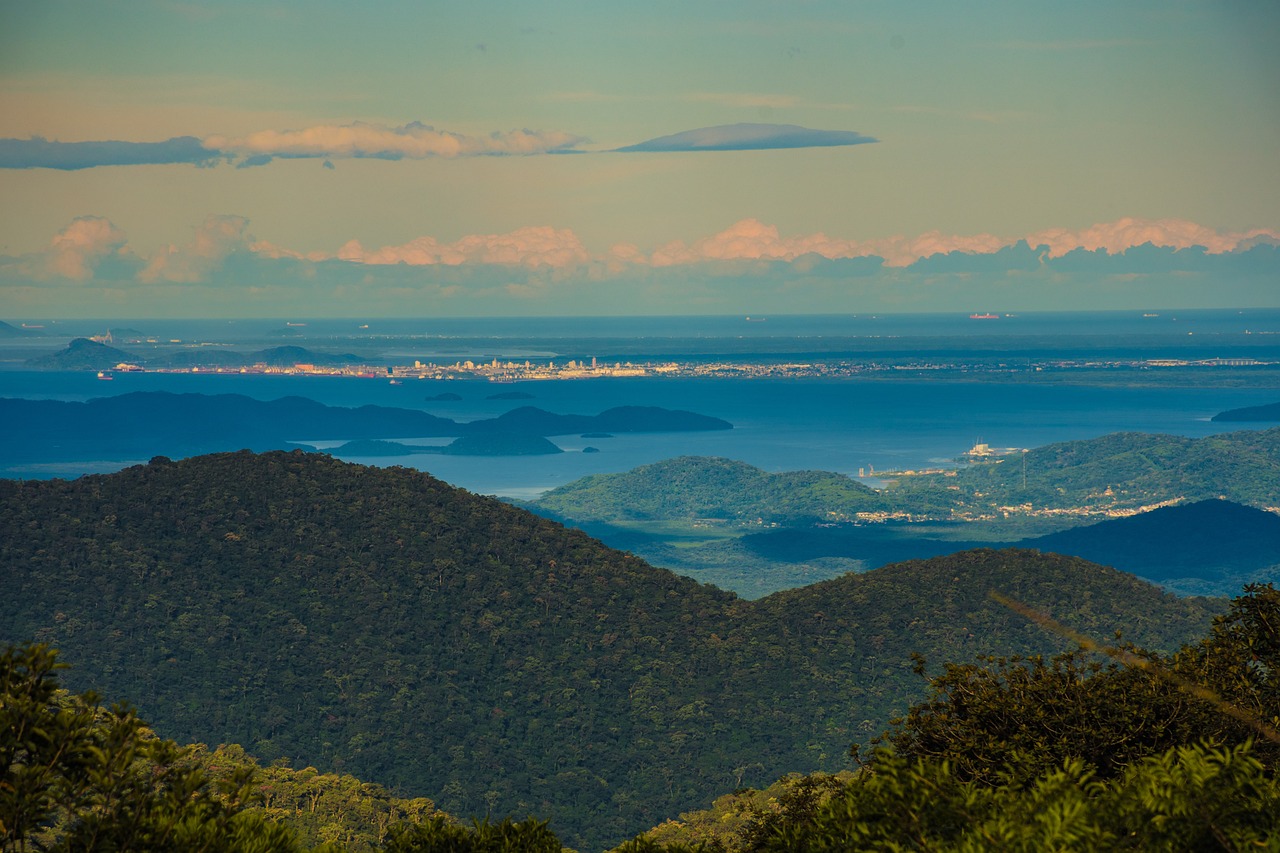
point(380, 623)
point(699, 487)
point(1117, 471)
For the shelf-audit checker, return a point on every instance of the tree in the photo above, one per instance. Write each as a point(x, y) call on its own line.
point(79, 776)
point(1224, 689)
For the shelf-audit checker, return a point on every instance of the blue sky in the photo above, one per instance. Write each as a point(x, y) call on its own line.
point(324, 158)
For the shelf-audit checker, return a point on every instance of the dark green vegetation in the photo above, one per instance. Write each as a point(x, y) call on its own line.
point(1118, 471)
point(142, 424)
point(708, 488)
point(1149, 752)
point(742, 528)
point(78, 776)
point(82, 776)
point(1153, 753)
point(380, 623)
point(1251, 413)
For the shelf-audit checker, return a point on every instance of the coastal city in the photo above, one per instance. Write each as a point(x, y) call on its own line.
point(496, 370)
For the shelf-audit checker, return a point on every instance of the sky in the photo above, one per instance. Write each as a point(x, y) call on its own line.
point(320, 158)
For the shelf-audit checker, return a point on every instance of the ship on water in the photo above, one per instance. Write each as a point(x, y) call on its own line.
point(984, 316)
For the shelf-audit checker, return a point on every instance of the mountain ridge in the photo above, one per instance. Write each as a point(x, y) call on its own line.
point(377, 621)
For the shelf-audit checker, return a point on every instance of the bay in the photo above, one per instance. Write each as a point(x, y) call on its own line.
point(844, 425)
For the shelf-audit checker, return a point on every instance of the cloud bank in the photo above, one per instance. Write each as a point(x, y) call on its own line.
point(538, 246)
point(89, 269)
point(750, 137)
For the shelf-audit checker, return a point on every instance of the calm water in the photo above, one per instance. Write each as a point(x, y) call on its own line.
point(837, 425)
point(780, 424)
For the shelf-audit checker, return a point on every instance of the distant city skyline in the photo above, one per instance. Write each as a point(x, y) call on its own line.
point(319, 159)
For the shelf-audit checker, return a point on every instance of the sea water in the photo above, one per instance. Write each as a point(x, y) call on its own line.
point(853, 425)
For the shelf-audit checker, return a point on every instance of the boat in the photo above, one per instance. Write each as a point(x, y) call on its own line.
point(105, 375)
point(984, 316)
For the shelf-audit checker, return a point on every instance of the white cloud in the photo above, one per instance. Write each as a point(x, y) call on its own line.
point(215, 240)
point(1116, 237)
point(78, 248)
point(362, 139)
point(751, 239)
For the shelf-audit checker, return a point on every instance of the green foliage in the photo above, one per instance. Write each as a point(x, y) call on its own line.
point(734, 818)
point(1189, 798)
point(710, 488)
point(1225, 689)
point(439, 836)
point(1117, 471)
point(377, 623)
point(320, 808)
point(78, 776)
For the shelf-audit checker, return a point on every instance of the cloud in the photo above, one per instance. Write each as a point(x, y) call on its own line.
point(751, 239)
point(217, 239)
point(39, 153)
point(76, 250)
point(1116, 237)
point(413, 141)
point(325, 142)
point(750, 137)
point(536, 246)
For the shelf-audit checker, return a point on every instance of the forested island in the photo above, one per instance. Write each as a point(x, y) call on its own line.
point(380, 623)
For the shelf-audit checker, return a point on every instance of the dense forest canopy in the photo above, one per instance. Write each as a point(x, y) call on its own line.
point(378, 622)
point(1150, 752)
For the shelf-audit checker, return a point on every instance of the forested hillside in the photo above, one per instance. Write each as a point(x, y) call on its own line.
point(1122, 471)
point(378, 622)
point(1117, 471)
point(692, 487)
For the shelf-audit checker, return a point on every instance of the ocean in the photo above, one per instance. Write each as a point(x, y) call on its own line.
point(849, 424)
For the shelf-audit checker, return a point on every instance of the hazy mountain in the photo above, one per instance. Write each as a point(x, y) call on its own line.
point(83, 354)
point(1212, 540)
